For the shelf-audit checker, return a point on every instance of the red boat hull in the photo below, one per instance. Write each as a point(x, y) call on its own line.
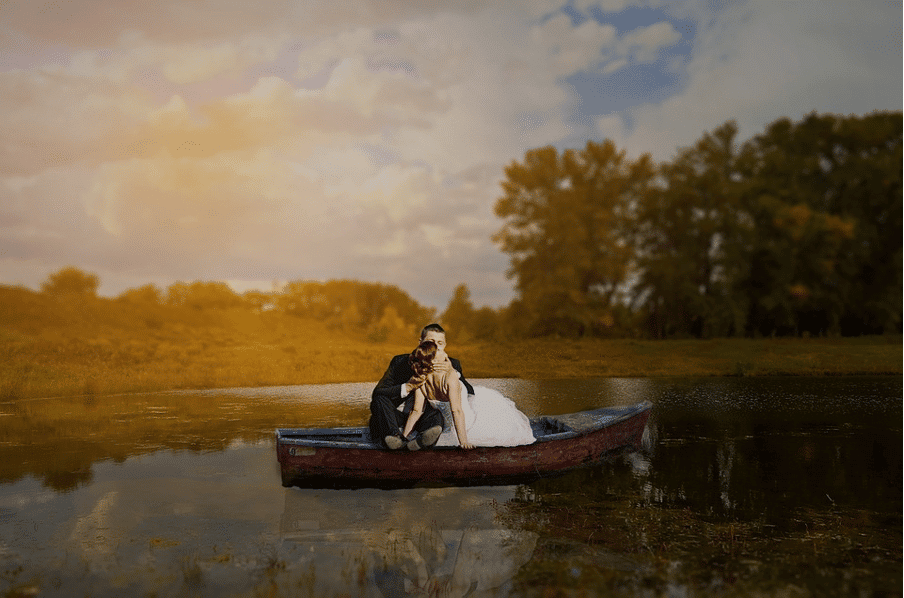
point(334, 466)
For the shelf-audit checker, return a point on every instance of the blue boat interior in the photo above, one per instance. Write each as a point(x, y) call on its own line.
point(544, 428)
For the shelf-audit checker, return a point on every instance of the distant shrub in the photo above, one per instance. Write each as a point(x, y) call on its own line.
point(148, 294)
point(70, 281)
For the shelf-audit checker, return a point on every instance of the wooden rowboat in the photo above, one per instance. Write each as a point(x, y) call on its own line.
point(347, 458)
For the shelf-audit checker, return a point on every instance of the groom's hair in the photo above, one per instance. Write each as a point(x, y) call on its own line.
point(432, 328)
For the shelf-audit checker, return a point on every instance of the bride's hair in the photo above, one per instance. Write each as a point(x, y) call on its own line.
point(421, 359)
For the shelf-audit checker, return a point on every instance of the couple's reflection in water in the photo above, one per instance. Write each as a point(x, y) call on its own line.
point(452, 563)
point(443, 542)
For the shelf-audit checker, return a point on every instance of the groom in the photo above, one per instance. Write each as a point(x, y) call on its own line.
point(394, 388)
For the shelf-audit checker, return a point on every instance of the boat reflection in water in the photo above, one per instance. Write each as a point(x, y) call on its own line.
point(175, 523)
point(423, 541)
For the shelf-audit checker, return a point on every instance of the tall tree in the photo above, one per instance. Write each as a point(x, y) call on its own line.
point(460, 315)
point(824, 197)
point(684, 237)
point(565, 231)
point(868, 180)
point(356, 305)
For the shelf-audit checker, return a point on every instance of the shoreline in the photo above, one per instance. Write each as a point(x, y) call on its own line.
point(77, 367)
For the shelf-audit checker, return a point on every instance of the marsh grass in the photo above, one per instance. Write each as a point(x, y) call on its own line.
point(52, 347)
point(603, 540)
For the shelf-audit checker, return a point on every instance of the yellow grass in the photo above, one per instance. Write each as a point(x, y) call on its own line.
point(49, 348)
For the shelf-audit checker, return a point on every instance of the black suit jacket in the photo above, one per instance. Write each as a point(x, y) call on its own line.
point(399, 372)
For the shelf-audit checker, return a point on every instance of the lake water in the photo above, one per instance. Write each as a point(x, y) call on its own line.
point(745, 486)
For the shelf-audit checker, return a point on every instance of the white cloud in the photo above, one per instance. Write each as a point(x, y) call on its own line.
point(395, 193)
point(332, 49)
point(438, 236)
point(611, 126)
point(42, 217)
point(394, 247)
point(572, 49)
point(760, 61)
point(645, 43)
point(503, 95)
point(385, 94)
point(53, 118)
point(167, 140)
point(18, 183)
point(192, 63)
point(604, 5)
point(614, 65)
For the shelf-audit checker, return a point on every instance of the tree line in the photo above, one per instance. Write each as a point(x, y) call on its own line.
point(376, 311)
point(796, 231)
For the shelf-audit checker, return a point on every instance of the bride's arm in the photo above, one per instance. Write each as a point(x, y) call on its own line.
point(416, 411)
point(458, 416)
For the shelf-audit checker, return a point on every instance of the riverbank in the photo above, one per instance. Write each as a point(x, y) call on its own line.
point(41, 366)
point(688, 358)
point(97, 346)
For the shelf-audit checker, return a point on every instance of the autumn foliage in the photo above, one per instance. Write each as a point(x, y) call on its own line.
point(794, 232)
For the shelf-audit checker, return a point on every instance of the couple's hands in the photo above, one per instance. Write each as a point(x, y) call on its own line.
point(442, 366)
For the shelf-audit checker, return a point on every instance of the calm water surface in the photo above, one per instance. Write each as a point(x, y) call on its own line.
point(764, 487)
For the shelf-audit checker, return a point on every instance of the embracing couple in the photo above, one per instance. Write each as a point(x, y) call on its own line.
point(423, 400)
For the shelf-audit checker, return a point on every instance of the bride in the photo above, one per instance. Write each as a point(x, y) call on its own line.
point(485, 418)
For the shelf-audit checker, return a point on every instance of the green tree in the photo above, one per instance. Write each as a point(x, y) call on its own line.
point(304, 299)
point(460, 315)
point(72, 282)
point(565, 229)
point(824, 199)
point(869, 194)
point(487, 323)
point(355, 305)
point(685, 237)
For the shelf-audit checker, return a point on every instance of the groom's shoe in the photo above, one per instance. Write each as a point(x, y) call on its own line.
point(426, 439)
point(430, 436)
point(394, 442)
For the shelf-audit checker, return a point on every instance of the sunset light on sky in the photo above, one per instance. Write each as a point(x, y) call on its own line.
point(261, 142)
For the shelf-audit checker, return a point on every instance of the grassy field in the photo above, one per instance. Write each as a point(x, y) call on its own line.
point(101, 346)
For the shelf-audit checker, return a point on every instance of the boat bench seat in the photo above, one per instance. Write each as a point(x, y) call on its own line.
point(547, 426)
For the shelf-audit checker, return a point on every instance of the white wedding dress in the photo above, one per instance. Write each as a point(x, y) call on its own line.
point(491, 419)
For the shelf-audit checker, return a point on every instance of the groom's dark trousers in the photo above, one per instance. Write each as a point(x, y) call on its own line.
point(385, 418)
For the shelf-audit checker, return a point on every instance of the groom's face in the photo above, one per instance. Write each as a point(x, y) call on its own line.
point(439, 338)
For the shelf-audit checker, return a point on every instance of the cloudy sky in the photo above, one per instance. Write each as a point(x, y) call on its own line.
point(253, 142)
